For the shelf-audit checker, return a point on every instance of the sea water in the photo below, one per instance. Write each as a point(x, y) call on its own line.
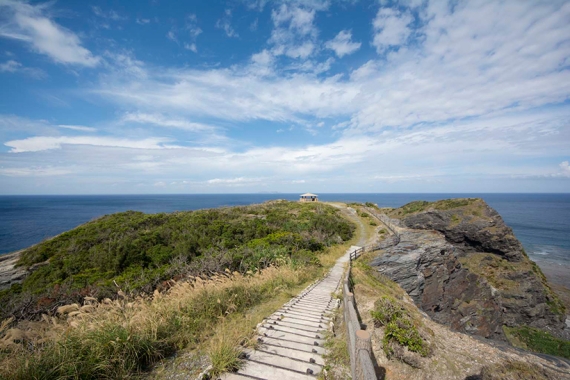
point(540, 221)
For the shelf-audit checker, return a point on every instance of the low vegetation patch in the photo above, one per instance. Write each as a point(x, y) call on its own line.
point(537, 340)
point(445, 204)
point(517, 370)
point(399, 328)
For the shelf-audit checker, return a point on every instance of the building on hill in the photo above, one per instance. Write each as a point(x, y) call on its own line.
point(308, 197)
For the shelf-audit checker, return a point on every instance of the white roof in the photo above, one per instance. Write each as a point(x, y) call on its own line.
point(308, 195)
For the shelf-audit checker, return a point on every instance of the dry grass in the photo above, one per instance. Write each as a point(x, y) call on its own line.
point(116, 339)
point(124, 337)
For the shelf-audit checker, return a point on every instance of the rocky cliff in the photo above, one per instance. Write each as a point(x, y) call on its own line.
point(465, 268)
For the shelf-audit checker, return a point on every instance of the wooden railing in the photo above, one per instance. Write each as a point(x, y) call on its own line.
point(359, 342)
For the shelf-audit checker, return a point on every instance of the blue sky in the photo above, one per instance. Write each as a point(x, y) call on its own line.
point(290, 96)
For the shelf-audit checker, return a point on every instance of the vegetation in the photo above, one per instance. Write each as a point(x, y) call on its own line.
point(498, 272)
point(419, 206)
point(517, 370)
point(402, 327)
point(337, 357)
point(370, 204)
point(537, 340)
point(139, 252)
point(398, 326)
point(120, 338)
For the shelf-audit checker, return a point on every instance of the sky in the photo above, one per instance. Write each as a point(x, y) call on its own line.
point(247, 96)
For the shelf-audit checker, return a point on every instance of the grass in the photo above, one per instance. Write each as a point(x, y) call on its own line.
point(401, 323)
point(139, 252)
point(337, 357)
point(516, 370)
point(537, 340)
point(445, 204)
point(121, 338)
point(496, 270)
point(124, 337)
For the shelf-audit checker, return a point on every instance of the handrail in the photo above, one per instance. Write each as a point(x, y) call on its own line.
point(359, 341)
point(386, 221)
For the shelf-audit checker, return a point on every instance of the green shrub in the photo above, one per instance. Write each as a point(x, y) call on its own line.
point(399, 327)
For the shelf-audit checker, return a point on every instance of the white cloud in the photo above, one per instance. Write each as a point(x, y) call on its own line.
point(565, 168)
point(342, 44)
point(34, 172)
point(41, 143)
point(191, 47)
point(143, 21)
point(172, 36)
point(163, 121)
point(294, 33)
point(80, 128)
point(191, 30)
point(225, 23)
point(232, 181)
point(111, 15)
point(391, 28)
point(10, 66)
point(27, 23)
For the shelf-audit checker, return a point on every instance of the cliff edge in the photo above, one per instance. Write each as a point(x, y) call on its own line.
point(465, 268)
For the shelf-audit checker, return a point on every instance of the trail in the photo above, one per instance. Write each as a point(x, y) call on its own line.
point(291, 339)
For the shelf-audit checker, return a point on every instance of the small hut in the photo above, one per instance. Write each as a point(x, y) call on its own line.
point(308, 197)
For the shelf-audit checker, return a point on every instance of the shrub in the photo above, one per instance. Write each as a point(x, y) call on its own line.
point(399, 327)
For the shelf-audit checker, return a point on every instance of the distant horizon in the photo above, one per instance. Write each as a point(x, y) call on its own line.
point(277, 193)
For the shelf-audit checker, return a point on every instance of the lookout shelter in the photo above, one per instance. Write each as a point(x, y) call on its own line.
point(308, 197)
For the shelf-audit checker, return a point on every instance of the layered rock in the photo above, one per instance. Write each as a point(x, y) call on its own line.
point(464, 267)
point(9, 272)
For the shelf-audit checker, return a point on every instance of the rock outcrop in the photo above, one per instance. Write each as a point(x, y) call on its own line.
point(465, 268)
point(9, 272)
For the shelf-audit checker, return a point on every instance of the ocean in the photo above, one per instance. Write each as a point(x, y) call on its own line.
point(540, 221)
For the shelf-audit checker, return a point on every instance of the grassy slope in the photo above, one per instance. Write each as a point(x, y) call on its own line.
point(138, 252)
point(146, 329)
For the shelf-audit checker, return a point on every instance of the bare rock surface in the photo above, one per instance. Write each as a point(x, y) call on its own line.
point(9, 273)
point(465, 268)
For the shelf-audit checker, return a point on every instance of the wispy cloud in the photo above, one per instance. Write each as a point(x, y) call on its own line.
point(111, 14)
point(30, 24)
point(80, 128)
point(163, 121)
point(225, 23)
point(41, 143)
point(12, 66)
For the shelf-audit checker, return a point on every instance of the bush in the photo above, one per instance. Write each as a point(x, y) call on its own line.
point(398, 327)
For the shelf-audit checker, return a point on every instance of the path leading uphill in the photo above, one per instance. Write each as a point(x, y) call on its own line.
point(291, 339)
